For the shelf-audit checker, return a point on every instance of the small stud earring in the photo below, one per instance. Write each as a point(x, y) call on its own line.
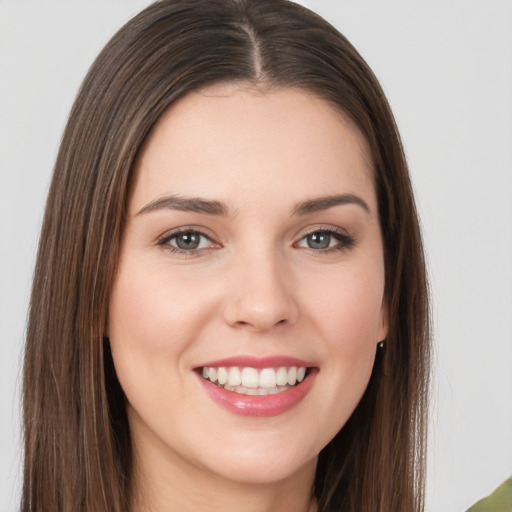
point(381, 344)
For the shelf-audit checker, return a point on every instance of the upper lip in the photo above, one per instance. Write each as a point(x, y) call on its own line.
point(276, 361)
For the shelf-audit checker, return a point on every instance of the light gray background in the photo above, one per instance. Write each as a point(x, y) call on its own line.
point(447, 69)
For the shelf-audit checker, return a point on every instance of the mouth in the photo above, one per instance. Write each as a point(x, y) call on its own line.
point(255, 381)
point(249, 386)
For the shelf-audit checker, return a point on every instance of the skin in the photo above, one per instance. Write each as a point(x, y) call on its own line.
point(254, 287)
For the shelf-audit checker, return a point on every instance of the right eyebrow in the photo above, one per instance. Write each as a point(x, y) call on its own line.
point(186, 204)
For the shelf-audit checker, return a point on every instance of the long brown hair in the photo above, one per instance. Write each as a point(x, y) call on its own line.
point(77, 442)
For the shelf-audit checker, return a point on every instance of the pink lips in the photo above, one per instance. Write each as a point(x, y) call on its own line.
point(267, 405)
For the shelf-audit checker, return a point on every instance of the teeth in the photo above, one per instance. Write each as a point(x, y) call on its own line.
point(234, 376)
point(222, 375)
point(268, 378)
point(282, 376)
point(251, 381)
point(250, 377)
point(292, 375)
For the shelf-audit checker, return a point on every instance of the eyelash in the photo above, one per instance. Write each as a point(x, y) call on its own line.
point(345, 241)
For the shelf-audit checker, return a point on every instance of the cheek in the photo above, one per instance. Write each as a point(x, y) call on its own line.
point(152, 312)
point(153, 320)
point(151, 323)
point(347, 311)
point(348, 307)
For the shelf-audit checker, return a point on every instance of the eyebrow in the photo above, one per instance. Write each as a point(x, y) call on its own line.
point(210, 207)
point(186, 204)
point(324, 203)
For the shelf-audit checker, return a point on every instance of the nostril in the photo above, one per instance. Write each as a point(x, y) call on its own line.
point(244, 323)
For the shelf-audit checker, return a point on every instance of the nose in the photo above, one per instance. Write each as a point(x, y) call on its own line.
point(262, 295)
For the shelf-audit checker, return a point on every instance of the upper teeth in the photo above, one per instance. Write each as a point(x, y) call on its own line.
point(248, 377)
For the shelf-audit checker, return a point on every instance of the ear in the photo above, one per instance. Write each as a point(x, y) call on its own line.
point(383, 321)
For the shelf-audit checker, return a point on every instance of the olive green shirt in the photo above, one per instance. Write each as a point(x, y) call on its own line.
point(499, 501)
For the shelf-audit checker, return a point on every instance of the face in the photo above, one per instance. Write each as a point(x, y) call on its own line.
point(248, 302)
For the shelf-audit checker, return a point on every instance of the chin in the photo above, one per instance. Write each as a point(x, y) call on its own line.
point(265, 468)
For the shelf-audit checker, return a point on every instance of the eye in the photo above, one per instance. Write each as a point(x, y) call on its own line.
point(325, 240)
point(186, 241)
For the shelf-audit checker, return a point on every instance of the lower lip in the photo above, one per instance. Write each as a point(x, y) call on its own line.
point(265, 405)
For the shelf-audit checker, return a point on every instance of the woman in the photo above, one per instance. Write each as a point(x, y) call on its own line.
point(229, 307)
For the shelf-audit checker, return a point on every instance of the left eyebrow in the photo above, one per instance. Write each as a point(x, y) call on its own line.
point(186, 204)
point(324, 203)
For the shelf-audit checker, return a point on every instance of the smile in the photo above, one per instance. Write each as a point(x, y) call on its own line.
point(253, 381)
point(249, 386)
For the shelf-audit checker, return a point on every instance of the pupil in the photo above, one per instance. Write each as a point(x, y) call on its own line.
point(319, 240)
point(188, 241)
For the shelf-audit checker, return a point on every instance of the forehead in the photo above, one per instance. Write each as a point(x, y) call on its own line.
point(235, 139)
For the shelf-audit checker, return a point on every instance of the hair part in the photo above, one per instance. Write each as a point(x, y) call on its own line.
point(78, 453)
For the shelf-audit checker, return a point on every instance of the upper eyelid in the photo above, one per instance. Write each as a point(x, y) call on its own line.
point(325, 228)
point(341, 233)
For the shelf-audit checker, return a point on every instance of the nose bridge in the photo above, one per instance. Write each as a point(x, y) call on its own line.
point(262, 295)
